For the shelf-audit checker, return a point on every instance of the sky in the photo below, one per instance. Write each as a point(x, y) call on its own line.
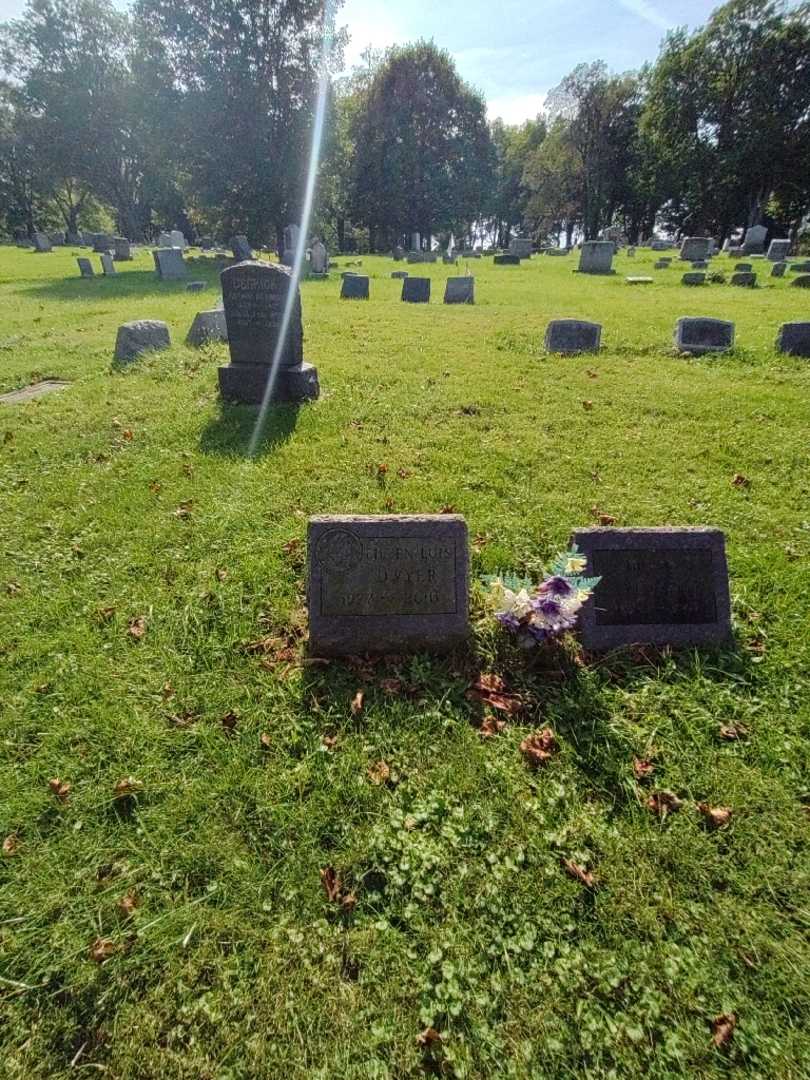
point(513, 51)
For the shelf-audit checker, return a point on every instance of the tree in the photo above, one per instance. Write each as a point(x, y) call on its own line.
point(514, 147)
point(424, 160)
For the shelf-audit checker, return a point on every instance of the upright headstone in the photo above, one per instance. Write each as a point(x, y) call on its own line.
point(703, 335)
point(292, 235)
point(107, 264)
point(744, 268)
point(572, 336)
point(794, 339)
point(74, 238)
point(388, 584)
point(801, 282)
point(744, 279)
point(207, 326)
point(169, 264)
point(57, 239)
point(398, 253)
point(178, 240)
point(319, 260)
point(103, 242)
point(521, 246)
point(136, 338)
point(256, 296)
point(85, 268)
point(42, 242)
point(754, 242)
point(459, 290)
point(666, 586)
point(415, 257)
point(506, 260)
point(416, 290)
point(165, 240)
point(778, 269)
point(695, 248)
point(694, 277)
point(123, 250)
point(779, 250)
point(596, 257)
point(241, 248)
point(416, 242)
point(354, 287)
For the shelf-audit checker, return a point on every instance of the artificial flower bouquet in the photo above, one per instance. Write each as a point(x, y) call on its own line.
point(536, 614)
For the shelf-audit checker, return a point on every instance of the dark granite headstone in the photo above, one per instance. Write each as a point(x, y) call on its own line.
point(664, 586)
point(571, 336)
point(241, 249)
point(416, 290)
point(703, 335)
point(746, 280)
point(169, 264)
point(506, 260)
point(459, 290)
point(794, 339)
point(207, 326)
point(42, 242)
point(694, 277)
point(354, 287)
point(144, 335)
point(255, 296)
point(802, 282)
point(778, 269)
point(103, 242)
point(743, 268)
point(86, 268)
point(779, 250)
point(123, 249)
point(387, 584)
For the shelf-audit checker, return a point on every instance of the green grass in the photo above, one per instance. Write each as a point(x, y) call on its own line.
point(235, 964)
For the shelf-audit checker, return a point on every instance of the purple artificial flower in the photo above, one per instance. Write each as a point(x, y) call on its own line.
point(556, 586)
point(508, 620)
point(547, 606)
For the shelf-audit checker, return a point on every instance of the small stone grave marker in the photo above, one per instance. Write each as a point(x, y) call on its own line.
point(107, 264)
point(241, 248)
point(387, 584)
point(195, 286)
point(694, 277)
point(399, 275)
point(416, 290)
point(123, 250)
point(754, 242)
point(170, 264)
point(665, 586)
point(85, 268)
point(354, 287)
point(695, 248)
point(779, 250)
point(506, 260)
point(42, 242)
point(102, 243)
point(207, 326)
point(778, 269)
point(639, 280)
point(697, 335)
point(743, 268)
point(459, 290)
point(746, 280)
point(135, 338)
point(571, 336)
point(596, 257)
point(802, 282)
point(794, 339)
point(521, 246)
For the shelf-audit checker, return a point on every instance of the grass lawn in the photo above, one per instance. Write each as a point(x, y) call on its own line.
point(128, 503)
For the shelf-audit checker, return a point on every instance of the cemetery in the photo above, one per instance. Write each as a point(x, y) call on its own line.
point(403, 672)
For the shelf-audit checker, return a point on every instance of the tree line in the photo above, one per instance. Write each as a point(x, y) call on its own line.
point(197, 114)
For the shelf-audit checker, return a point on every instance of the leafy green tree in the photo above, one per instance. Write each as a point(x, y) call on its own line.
point(424, 159)
point(554, 178)
point(514, 147)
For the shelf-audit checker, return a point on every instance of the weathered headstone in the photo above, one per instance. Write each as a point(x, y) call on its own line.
point(596, 257)
point(794, 339)
point(660, 245)
point(459, 290)
point(86, 268)
point(754, 242)
point(779, 250)
point(165, 240)
point(661, 264)
point(571, 336)
point(57, 239)
point(388, 584)
point(169, 264)
point(292, 235)
point(123, 250)
point(449, 260)
point(694, 277)
point(666, 586)
point(416, 242)
point(778, 269)
point(695, 248)
point(207, 326)
point(398, 253)
point(33, 390)
point(178, 240)
point(136, 338)
point(256, 295)
point(521, 246)
point(802, 282)
point(354, 287)
point(103, 242)
point(800, 268)
point(319, 259)
point(746, 280)
point(700, 264)
point(506, 260)
point(697, 335)
point(42, 242)
point(241, 249)
point(107, 264)
point(639, 280)
point(631, 253)
point(743, 267)
point(416, 290)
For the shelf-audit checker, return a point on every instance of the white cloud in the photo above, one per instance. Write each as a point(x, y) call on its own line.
point(516, 108)
point(368, 25)
point(645, 10)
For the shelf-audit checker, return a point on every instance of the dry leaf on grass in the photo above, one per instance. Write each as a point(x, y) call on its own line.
point(333, 887)
point(578, 873)
point(357, 702)
point(587, 405)
point(127, 786)
point(642, 768)
point(220, 573)
point(137, 627)
point(13, 587)
point(127, 905)
point(740, 481)
point(428, 1038)
point(539, 747)
point(448, 508)
point(60, 788)
point(723, 1028)
point(491, 689)
point(379, 773)
point(491, 726)
point(229, 722)
point(663, 803)
point(102, 949)
point(603, 518)
point(732, 732)
point(715, 817)
point(265, 742)
point(11, 844)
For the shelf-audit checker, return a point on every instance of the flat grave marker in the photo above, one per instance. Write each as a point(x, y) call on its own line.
point(354, 287)
point(459, 290)
point(794, 339)
point(35, 390)
point(698, 335)
point(572, 336)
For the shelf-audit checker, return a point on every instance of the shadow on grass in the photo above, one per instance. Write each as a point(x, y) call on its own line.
point(230, 433)
point(128, 283)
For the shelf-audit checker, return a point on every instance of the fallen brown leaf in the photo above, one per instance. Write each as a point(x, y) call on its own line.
point(574, 870)
point(587, 405)
point(642, 768)
point(663, 803)
point(428, 1038)
point(391, 686)
point(229, 722)
point(379, 773)
point(13, 587)
point(491, 726)
point(11, 844)
point(155, 487)
point(491, 689)
point(292, 547)
point(184, 509)
point(127, 905)
point(127, 435)
point(357, 702)
point(731, 732)
point(333, 887)
point(60, 788)
point(723, 1028)
point(448, 508)
point(740, 481)
point(137, 627)
point(592, 374)
point(220, 573)
point(403, 474)
point(329, 742)
point(716, 817)
point(102, 949)
point(127, 786)
point(265, 742)
point(539, 747)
